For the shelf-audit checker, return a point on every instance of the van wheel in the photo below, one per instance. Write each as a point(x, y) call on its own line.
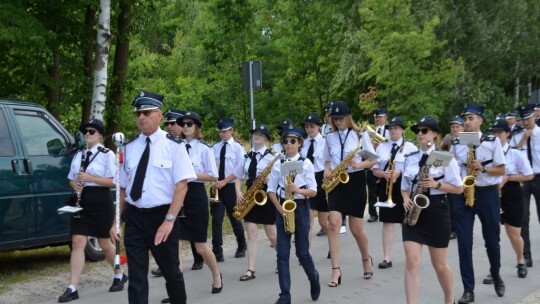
point(93, 251)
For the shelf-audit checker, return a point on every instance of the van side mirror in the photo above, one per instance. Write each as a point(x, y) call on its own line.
point(79, 140)
point(55, 147)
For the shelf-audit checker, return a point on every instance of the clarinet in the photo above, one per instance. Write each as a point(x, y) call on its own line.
point(79, 192)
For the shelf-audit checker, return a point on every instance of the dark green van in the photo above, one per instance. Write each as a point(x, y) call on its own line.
point(35, 158)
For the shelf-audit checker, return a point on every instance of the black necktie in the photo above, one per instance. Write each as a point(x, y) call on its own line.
point(136, 189)
point(422, 160)
point(222, 161)
point(310, 151)
point(393, 153)
point(87, 160)
point(188, 146)
point(252, 169)
point(529, 151)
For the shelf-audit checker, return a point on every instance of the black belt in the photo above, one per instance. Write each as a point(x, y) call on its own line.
point(160, 209)
point(487, 188)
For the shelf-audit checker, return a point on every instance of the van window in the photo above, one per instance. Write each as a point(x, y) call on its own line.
point(6, 143)
point(38, 134)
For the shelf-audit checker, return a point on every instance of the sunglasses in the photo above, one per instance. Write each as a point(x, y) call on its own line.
point(189, 124)
point(91, 131)
point(145, 113)
point(172, 123)
point(292, 141)
point(423, 131)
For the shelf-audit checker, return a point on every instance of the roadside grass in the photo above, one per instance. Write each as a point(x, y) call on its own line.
point(25, 265)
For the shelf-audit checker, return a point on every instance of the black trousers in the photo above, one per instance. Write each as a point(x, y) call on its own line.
point(372, 192)
point(227, 196)
point(140, 231)
point(529, 188)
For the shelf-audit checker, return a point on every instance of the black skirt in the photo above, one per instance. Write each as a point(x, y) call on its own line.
point(97, 216)
point(512, 204)
point(395, 214)
point(350, 198)
point(194, 226)
point(433, 226)
point(319, 202)
point(265, 214)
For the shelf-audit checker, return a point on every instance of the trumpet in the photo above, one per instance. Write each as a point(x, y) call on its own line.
point(389, 187)
point(215, 193)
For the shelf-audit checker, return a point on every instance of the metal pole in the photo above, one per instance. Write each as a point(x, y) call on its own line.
point(251, 95)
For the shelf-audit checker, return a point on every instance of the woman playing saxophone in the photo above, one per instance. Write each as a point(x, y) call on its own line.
point(256, 161)
point(433, 226)
point(347, 198)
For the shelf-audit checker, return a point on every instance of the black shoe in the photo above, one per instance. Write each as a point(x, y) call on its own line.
point(280, 301)
point(197, 265)
point(218, 289)
point(453, 235)
point(498, 284)
point(167, 300)
point(118, 284)
point(488, 280)
point(219, 257)
point(467, 297)
point(240, 252)
point(156, 272)
point(68, 296)
point(528, 261)
point(321, 233)
point(522, 270)
point(315, 288)
point(372, 218)
point(384, 264)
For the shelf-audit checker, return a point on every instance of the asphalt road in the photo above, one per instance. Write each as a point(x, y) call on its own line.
point(385, 287)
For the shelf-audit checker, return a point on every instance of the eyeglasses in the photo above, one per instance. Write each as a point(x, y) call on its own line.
point(286, 141)
point(172, 123)
point(145, 113)
point(91, 131)
point(189, 124)
point(423, 131)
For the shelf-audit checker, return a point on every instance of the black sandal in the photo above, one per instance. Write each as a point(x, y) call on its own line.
point(368, 275)
point(332, 283)
point(247, 277)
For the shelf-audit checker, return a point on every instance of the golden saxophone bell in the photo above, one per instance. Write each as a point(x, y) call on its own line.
point(343, 177)
point(260, 197)
point(288, 216)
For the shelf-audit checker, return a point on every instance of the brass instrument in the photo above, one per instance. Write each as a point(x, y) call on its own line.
point(254, 195)
point(215, 193)
point(376, 138)
point(289, 205)
point(420, 201)
point(389, 187)
point(469, 181)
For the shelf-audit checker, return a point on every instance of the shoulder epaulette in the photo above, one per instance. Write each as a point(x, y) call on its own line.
point(176, 140)
point(206, 144)
point(127, 142)
point(517, 129)
point(518, 148)
point(103, 150)
point(488, 138)
point(412, 153)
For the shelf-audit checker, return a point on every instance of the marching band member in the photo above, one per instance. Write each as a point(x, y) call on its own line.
point(229, 155)
point(193, 227)
point(349, 198)
point(433, 226)
point(511, 120)
point(529, 140)
point(489, 163)
point(278, 147)
point(313, 150)
point(153, 183)
point(392, 151)
point(302, 187)
point(518, 170)
point(97, 175)
point(256, 161)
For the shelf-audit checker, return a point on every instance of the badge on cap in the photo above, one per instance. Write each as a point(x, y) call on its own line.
point(337, 109)
point(423, 119)
point(291, 127)
point(141, 94)
point(309, 117)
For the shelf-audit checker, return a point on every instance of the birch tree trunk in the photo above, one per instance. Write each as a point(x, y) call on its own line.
point(99, 92)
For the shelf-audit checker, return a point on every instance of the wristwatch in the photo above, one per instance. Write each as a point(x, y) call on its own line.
point(169, 217)
point(438, 185)
point(484, 169)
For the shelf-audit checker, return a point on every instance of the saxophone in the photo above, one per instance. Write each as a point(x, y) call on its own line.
point(339, 174)
point(469, 181)
point(289, 205)
point(420, 201)
point(254, 195)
